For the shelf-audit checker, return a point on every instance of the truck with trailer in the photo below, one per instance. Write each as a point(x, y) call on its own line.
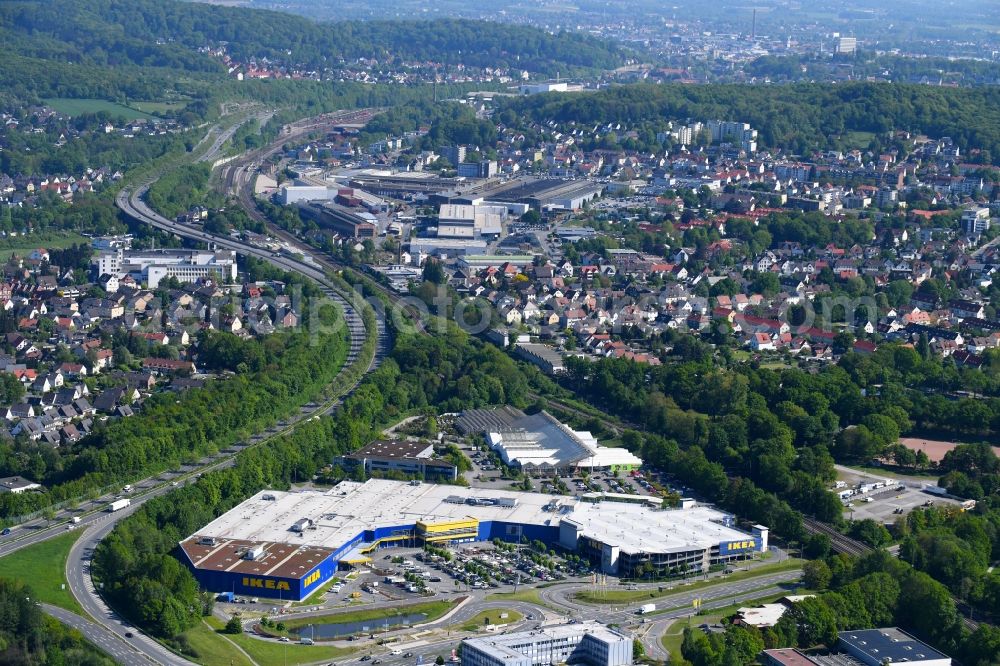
point(646, 608)
point(118, 505)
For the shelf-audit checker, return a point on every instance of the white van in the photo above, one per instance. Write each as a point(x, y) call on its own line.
point(395, 652)
point(306, 641)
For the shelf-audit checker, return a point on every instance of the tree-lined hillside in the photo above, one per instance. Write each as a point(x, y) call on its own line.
point(796, 118)
point(168, 33)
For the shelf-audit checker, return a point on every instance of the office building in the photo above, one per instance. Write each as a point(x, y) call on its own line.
point(411, 459)
point(481, 169)
point(847, 45)
point(584, 643)
point(975, 220)
point(152, 266)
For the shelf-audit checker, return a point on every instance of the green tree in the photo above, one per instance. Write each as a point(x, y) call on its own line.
point(234, 626)
point(816, 574)
point(817, 625)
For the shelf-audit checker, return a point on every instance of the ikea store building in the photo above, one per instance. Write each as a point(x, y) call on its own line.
point(286, 545)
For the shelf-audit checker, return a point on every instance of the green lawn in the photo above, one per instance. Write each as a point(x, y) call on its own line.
point(490, 616)
point(432, 609)
point(43, 567)
point(859, 140)
point(629, 596)
point(212, 648)
point(55, 240)
point(268, 652)
point(75, 107)
point(157, 107)
point(528, 595)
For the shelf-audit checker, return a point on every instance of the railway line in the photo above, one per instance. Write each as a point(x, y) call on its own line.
point(842, 543)
point(108, 629)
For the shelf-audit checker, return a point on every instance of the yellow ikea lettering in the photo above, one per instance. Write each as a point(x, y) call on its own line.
point(310, 579)
point(268, 584)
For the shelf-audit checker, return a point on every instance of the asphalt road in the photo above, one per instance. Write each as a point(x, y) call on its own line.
point(108, 627)
point(108, 632)
point(118, 648)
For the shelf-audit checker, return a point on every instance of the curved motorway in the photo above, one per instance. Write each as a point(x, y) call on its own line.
point(107, 630)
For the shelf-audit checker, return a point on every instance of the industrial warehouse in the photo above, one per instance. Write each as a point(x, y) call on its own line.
point(287, 544)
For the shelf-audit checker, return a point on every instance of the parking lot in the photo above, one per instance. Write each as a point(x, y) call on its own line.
point(890, 504)
point(489, 472)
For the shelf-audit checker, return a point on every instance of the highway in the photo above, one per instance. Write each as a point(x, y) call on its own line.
point(119, 649)
point(107, 630)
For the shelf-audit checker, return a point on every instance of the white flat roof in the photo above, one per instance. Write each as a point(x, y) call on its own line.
point(542, 440)
point(510, 646)
point(341, 513)
point(765, 615)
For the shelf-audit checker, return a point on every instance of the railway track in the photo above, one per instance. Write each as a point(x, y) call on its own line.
point(839, 542)
point(842, 543)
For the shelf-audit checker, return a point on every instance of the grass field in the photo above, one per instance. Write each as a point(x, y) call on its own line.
point(629, 596)
point(859, 140)
point(528, 596)
point(432, 609)
point(212, 648)
point(76, 107)
point(55, 240)
point(157, 107)
point(268, 652)
point(490, 616)
point(43, 567)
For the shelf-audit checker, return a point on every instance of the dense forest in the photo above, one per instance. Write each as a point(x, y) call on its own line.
point(794, 118)
point(746, 436)
point(165, 34)
point(449, 124)
point(28, 637)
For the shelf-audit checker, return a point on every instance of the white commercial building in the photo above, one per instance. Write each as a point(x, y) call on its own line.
point(541, 442)
point(151, 266)
point(292, 194)
point(975, 220)
point(585, 643)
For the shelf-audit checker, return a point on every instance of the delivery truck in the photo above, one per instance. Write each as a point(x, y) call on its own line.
point(118, 505)
point(646, 608)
